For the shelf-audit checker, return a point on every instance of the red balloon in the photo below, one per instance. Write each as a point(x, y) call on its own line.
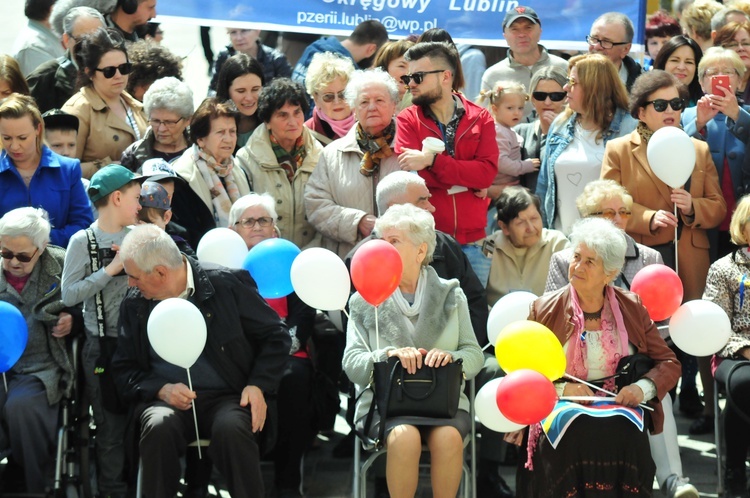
point(660, 289)
point(526, 397)
point(376, 271)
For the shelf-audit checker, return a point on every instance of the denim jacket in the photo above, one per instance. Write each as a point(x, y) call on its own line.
point(560, 135)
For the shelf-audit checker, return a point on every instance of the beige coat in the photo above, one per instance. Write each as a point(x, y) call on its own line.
point(625, 162)
point(102, 135)
point(338, 195)
point(265, 175)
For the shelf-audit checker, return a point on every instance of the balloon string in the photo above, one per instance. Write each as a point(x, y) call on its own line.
point(676, 263)
point(593, 386)
point(354, 325)
point(5, 383)
point(195, 417)
point(377, 331)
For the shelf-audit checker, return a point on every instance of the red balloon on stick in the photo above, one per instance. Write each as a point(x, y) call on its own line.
point(660, 289)
point(526, 397)
point(376, 270)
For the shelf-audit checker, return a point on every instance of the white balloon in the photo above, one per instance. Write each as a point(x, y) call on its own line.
point(671, 155)
point(320, 279)
point(222, 246)
point(700, 328)
point(485, 406)
point(177, 331)
point(508, 309)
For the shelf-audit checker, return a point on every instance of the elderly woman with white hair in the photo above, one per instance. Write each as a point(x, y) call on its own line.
point(327, 77)
point(598, 324)
point(424, 322)
point(340, 196)
point(253, 216)
point(168, 104)
point(30, 281)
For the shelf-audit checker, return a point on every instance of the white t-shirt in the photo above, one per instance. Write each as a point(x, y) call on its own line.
point(577, 165)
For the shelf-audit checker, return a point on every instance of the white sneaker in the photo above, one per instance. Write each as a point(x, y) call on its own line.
point(679, 487)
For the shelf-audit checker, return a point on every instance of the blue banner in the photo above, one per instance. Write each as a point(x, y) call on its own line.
point(565, 23)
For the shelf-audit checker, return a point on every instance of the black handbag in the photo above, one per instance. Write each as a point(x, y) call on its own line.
point(632, 368)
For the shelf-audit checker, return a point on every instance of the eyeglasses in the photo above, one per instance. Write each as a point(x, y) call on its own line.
point(331, 97)
point(553, 96)
point(605, 44)
point(572, 82)
point(418, 77)
point(660, 105)
point(735, 45)
point(609, 214)
point(156, 123)
point(22, 258)
point(109, 71)
point(263, 221)
point(723, 71)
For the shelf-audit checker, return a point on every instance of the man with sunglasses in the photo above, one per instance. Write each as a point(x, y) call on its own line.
point(522, 30)
point(457, 178)
point(612, 36)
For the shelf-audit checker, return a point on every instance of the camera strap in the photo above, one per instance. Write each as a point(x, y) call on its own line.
point(95, 265)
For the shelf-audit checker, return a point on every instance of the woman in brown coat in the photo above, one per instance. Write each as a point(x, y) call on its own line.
point(109, 119)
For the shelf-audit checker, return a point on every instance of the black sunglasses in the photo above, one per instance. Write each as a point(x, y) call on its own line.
point(553, 96)
point(418, 77)
point(660, 105)
point(109, 71)
point(22, 258)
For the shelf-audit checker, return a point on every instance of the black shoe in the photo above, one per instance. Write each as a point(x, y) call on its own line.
point(690, 402)
point(492, 484)
point(381, 488)
point(735, 483)
point(702, 425)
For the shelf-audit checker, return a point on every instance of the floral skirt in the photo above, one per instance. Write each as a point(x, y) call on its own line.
point(597, 457)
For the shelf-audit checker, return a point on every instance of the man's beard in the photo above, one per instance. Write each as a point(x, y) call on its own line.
point(427, 98)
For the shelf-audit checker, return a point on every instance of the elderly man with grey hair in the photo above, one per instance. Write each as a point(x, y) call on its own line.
point(612, 36)
point(340, 195)
point(246, 351)
point(168, 104)
point(54, 82)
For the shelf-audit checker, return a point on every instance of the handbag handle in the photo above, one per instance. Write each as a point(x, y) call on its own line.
point(403, 388)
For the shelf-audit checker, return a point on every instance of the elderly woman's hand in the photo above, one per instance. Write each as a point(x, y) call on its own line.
point(366, 224)
point(704, 112)
point(576, 389)
point(726, 104)
point(631, 396)
point(436, 357)
point(64, 325)
point(411, 358)
point(684, 201)
point(662, 219)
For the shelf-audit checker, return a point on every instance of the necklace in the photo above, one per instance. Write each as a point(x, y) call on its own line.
point(596, 315)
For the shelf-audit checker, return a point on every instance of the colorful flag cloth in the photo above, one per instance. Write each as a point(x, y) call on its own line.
point(566, 412)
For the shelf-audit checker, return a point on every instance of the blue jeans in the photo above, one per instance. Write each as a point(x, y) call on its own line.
point(479, 262)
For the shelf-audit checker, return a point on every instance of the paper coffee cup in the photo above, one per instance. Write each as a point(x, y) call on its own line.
point(433, 145)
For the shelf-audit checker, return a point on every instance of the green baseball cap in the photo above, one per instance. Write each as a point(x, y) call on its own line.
point(108, 179)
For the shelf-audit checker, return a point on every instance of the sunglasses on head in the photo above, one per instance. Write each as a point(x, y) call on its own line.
point(553, 96)
point(418, 77)
point(22, 258)
point(660, 105)
point(109, 71)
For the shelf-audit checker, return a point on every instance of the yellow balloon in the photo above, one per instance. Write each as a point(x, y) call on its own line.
point(530, 345)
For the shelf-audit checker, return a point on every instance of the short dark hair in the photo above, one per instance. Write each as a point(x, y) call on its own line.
point(91, 49)
point(151, 62)
point(513, 200)
point(666, 51)
point(442, 51)
point(100, 203)
point(38, 10)
point(370, 31)
point(649, 82)
point(441, 35)
point(146, 211)
point(237, 65)
point(210, 109)
point(280, 92)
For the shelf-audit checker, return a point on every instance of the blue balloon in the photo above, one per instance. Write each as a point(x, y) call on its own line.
point(270, 264)
point(14, 334)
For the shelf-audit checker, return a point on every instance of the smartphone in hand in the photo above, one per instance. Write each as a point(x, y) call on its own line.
point(717, 81)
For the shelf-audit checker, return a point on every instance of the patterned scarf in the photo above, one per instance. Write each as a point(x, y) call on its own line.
point(644, 131)
point(223, 194)
point(375, 147)
point(289, 161)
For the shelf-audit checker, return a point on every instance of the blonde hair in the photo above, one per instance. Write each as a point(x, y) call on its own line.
point(326, 67)
point(597, 192)
point(18, 106)
point(740, 218)
point(500, 90)
point(719, 55)
point(742, 5)
point(697, 17)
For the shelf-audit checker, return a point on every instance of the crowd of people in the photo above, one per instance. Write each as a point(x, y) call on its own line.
point(528, 175)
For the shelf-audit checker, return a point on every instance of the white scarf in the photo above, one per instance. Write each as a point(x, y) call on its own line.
point(411, 311)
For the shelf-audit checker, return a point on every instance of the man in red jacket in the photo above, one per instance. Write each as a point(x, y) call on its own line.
point(459, 176)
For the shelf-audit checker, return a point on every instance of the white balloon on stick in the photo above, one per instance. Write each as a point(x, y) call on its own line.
point(320, 279)
point(508, 309)
point(700, 328)
point(222, 246)
point(485, 406)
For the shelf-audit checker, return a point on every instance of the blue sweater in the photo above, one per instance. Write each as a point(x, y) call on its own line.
point(55, 187)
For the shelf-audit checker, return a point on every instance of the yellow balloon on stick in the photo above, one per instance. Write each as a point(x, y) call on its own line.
point(525, 344)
